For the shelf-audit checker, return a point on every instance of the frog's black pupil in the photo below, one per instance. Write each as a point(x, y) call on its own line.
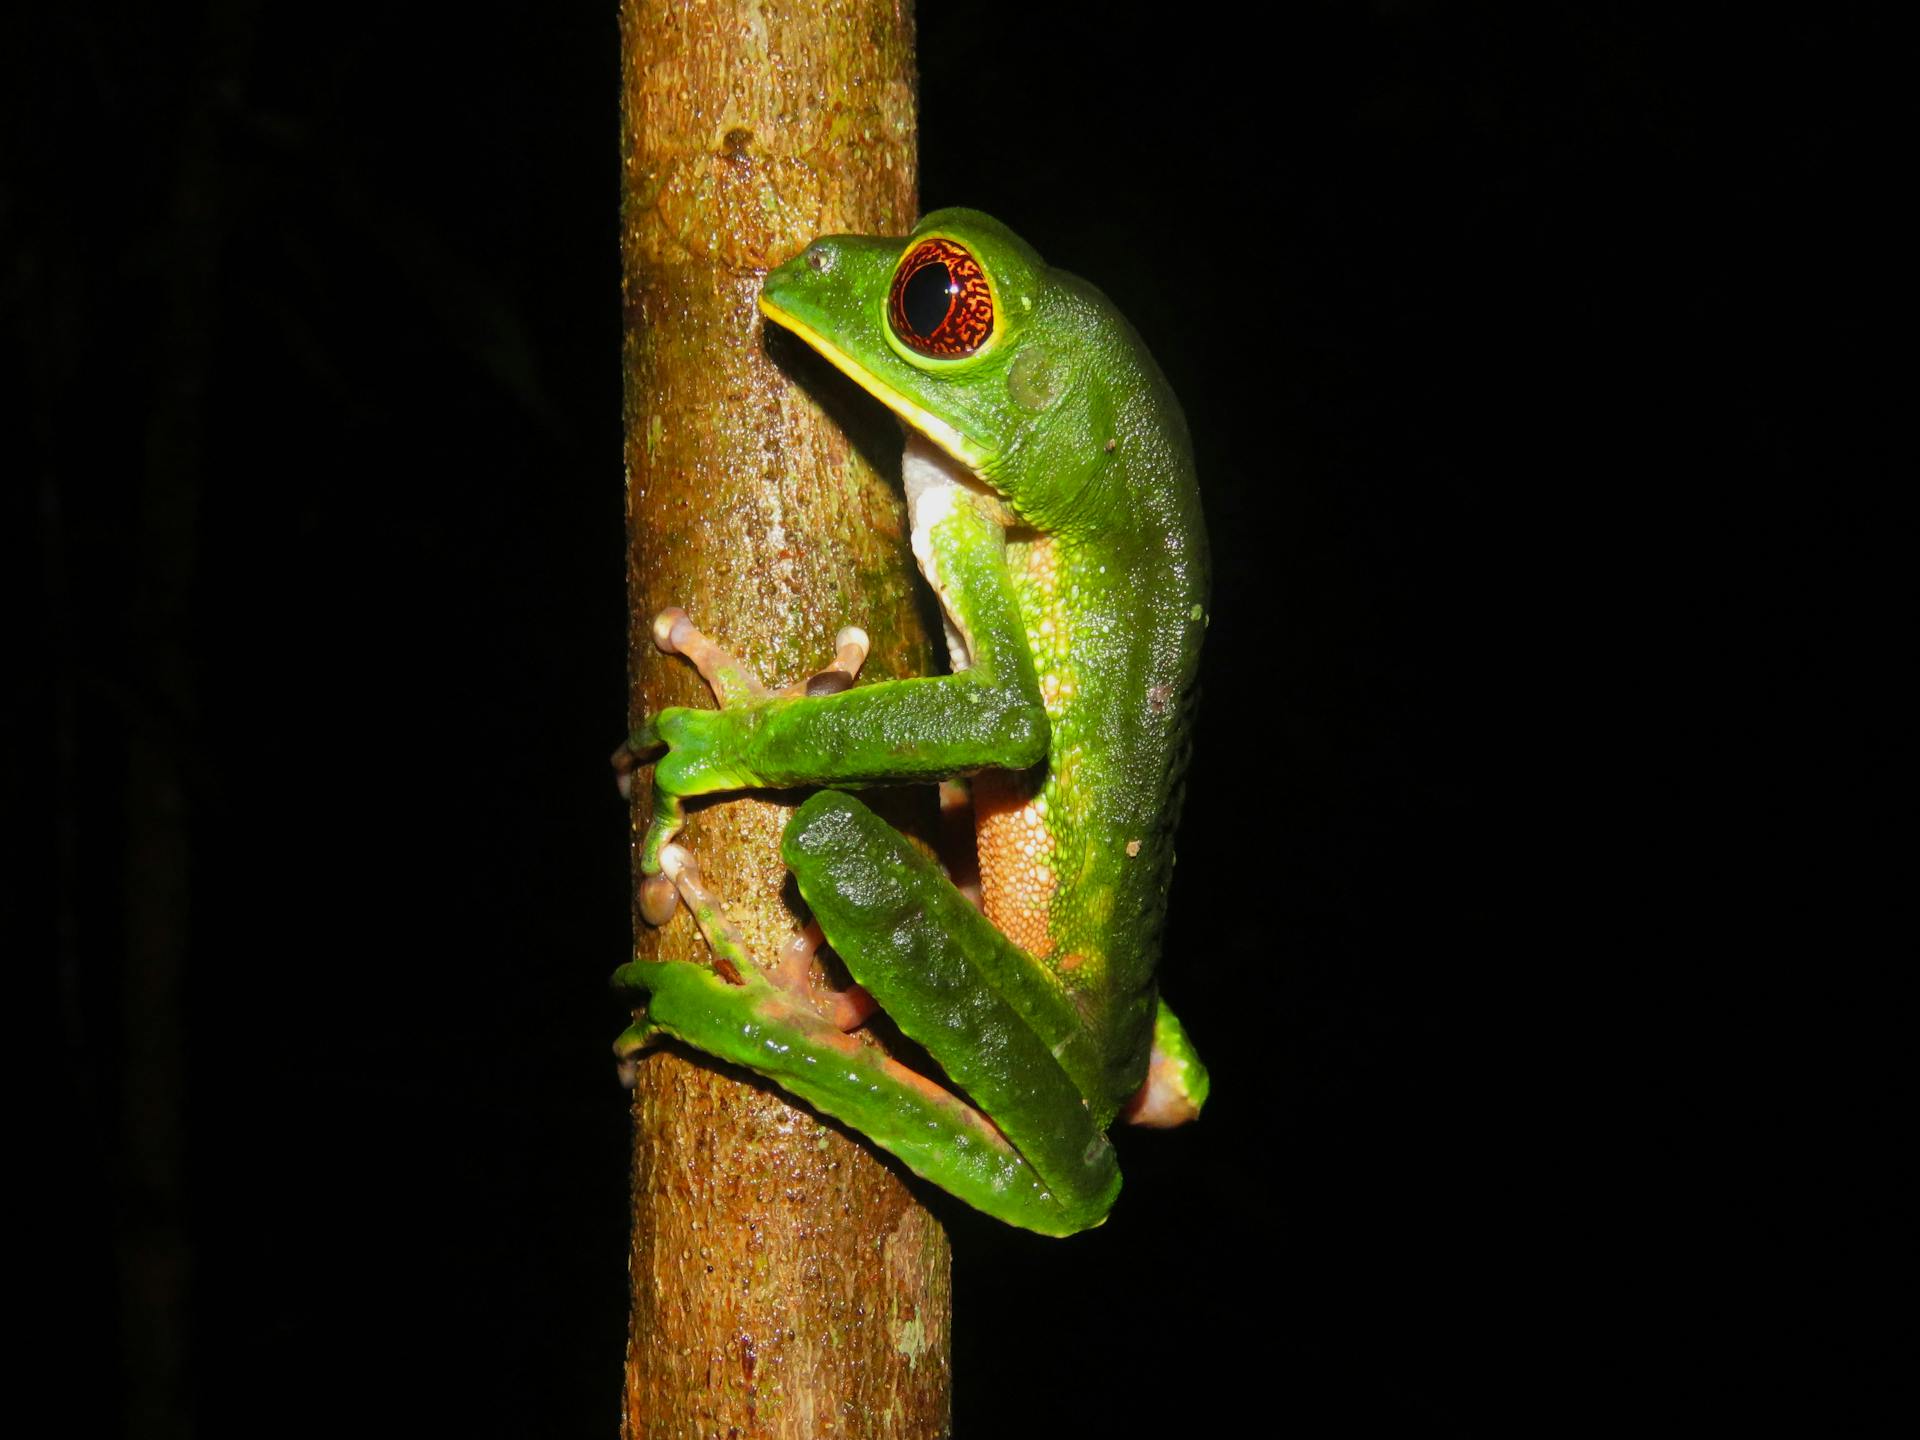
point(928, 294)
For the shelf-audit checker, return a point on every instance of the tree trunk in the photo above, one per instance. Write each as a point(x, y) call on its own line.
point(786, 1281)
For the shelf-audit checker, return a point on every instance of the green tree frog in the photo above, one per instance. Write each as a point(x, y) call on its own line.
point(1050, 487)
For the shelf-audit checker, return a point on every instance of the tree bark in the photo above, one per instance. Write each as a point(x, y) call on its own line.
point(786, 1281)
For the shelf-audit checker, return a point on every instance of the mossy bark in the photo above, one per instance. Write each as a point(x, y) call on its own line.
point(786, 1280)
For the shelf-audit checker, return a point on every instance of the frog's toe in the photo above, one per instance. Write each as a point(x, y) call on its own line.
point(633, 1042)
point(732, 683)
point(850, 650)
point(846, 1010)
point(729, 947)
point(658, 899)
point(669, 620)
point(642, 747)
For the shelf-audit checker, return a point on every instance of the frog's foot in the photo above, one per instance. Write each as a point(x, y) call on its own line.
point(733, 684)
point(634, 1041)
point(625, 761)
point(845, 1009)
point(1176, 1084)
point(682, 873)
point(726, 674)
point(850, 649)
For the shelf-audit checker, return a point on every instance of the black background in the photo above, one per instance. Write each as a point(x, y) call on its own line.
point(1475, 311)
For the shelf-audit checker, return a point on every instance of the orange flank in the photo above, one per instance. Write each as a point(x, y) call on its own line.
point(1016, 874)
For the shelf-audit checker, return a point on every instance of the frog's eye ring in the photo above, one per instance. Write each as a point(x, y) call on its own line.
point(941, 304)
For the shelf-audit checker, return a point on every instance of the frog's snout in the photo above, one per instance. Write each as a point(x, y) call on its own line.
point(801, 274)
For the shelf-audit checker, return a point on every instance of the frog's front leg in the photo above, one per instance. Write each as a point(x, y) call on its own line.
point(733, 684)
point(989, 714)
point(1024, 1145)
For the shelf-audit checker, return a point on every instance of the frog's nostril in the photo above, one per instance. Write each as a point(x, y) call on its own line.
point(820, 257)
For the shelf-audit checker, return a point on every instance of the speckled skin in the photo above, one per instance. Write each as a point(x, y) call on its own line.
point(1075, 582)
point(1114, 611)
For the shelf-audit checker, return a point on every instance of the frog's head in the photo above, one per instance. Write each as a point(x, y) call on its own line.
point(964, 332)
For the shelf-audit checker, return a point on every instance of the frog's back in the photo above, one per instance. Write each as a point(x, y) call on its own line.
point(1076, 856)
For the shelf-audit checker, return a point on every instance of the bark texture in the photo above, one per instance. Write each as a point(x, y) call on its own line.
point(786, 1282)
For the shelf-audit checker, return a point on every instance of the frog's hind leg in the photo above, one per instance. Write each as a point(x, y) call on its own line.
point(980, 1006)
point(1021, 1144)
point(736, 1011)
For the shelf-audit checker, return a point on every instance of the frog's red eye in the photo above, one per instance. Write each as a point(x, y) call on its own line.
point(941, 304)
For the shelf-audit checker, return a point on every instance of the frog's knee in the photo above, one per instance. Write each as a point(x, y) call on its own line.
point(830, 823)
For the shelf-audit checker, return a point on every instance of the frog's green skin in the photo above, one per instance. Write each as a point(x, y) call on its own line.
point(1055, 513)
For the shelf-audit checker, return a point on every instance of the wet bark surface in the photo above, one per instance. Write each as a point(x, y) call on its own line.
point(786, 1280)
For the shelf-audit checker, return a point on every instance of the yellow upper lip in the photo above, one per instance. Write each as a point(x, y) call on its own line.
point(929, 425)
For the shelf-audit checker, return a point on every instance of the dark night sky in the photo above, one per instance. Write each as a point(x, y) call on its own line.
point(1477, 311)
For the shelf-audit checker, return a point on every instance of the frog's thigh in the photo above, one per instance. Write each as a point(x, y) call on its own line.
point(951, 982)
